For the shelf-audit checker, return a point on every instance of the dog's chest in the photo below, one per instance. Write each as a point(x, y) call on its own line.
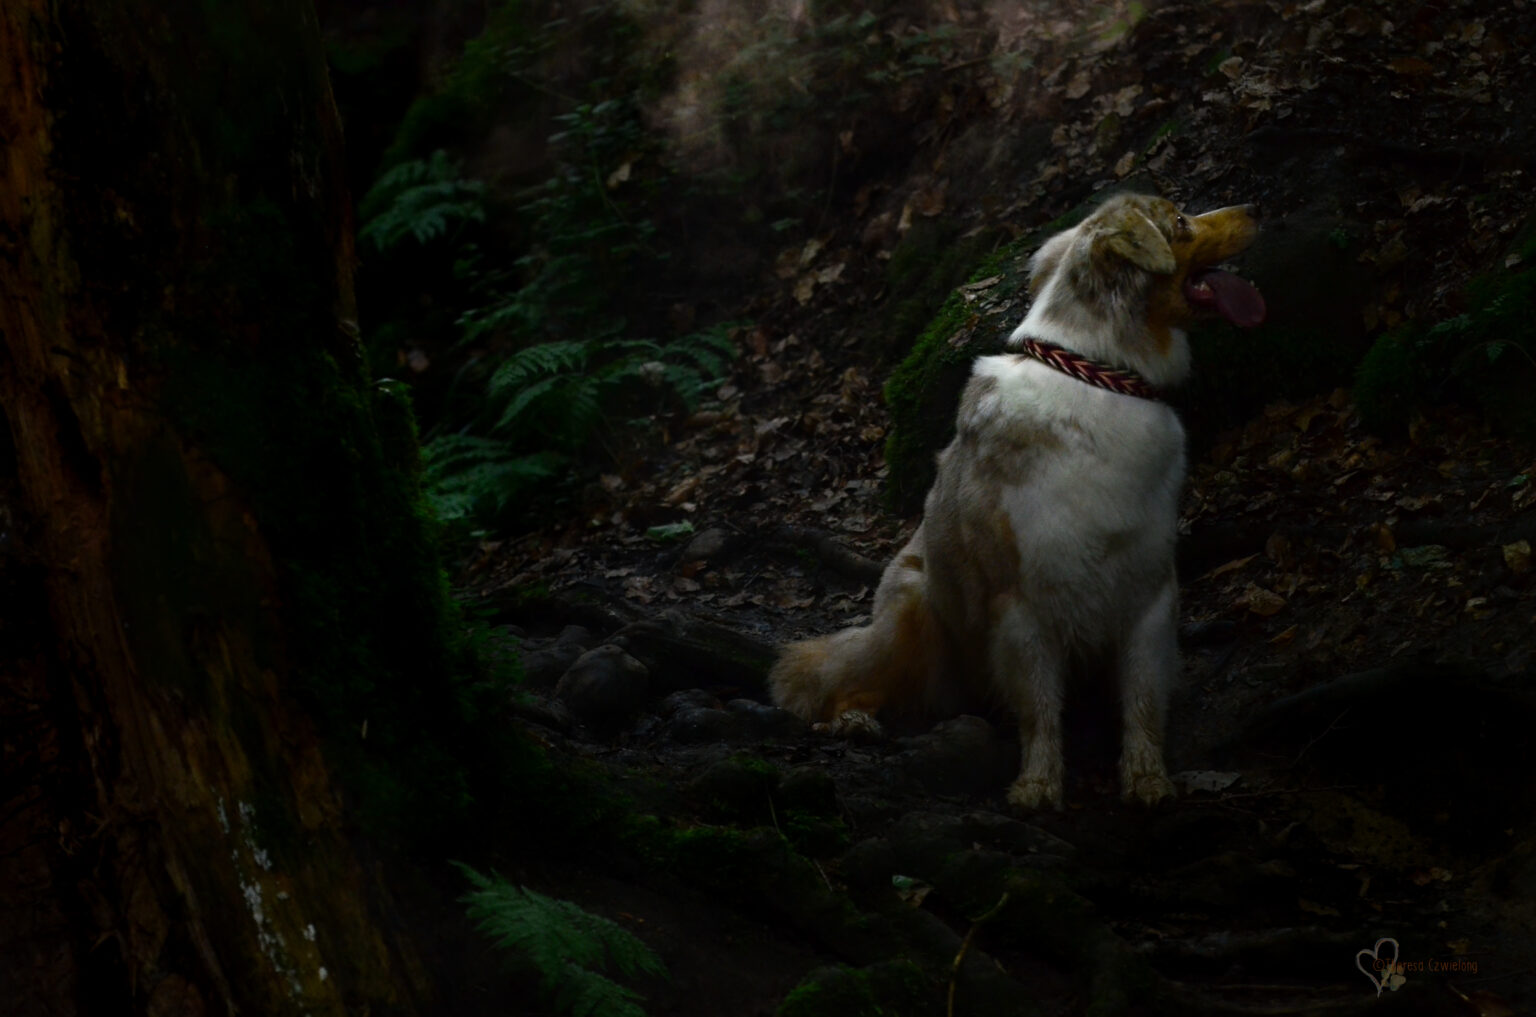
point(1096, 476)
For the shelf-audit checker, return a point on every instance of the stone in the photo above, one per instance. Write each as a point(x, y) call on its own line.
point(963, 755)
point(604, 683)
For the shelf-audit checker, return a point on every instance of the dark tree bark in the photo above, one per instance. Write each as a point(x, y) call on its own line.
point(216, 589)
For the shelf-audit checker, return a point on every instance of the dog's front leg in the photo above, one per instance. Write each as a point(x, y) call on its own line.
point(1032, 672)
point(1149, 664)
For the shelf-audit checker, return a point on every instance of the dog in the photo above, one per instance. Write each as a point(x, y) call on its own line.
point(1047, 540)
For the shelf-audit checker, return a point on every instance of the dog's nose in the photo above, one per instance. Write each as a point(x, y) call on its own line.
point(1252, 211)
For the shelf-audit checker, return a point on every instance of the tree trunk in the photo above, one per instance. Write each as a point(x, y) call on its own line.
point(216, 589)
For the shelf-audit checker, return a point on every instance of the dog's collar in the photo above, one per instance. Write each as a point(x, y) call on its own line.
point(1116, 379)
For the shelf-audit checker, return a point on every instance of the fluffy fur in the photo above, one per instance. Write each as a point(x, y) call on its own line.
point(1047, 540)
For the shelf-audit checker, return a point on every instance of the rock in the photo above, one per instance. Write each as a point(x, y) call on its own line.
point(544, 660)
point(1210, 781)
point(1014, 836)
point(696, 724)
point(604, 683)
point(552, 714)
point(868, 866)
point(921, 841)
point(960, 756)
point(759, 720)
point(809, 789)
point(739, 788)
point(687, 699)
point(707, 545)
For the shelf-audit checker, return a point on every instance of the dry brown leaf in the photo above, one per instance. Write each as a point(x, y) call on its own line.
point(1260, 601)
point(1489, 1005)
point(683, 490)
point(929, 201)
point(1411, 66)
point(1231, 566)
point(1278, 548)
point(1518, 557)
point(831, 273)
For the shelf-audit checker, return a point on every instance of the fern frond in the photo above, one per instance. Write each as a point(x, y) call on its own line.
point(422, 199)
point(713, 351)
point(584, 993)
point(583, 406)
point(566, 944)
point(534, 362)
point(525, 398)
point(467, 477)
point(687, 383)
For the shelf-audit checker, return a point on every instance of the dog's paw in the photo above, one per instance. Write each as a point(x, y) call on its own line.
point(1147, 788)
point(853, 724)
point(1033, 793)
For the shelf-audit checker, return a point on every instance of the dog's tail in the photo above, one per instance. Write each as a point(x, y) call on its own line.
point(888, 664)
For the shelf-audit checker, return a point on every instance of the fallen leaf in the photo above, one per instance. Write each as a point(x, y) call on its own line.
point(1429, 556)
point(1231, 566)
point(981, 284)
point(1518, 557)
point(929, 201)
point(1489, 1005)
point(683, 489)
point(1260, 601)
point(830, 273)
point(910, 890)
point(1206, 780)
point(1411, 66)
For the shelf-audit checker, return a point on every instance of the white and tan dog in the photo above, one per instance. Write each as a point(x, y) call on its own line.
point(1048, 538)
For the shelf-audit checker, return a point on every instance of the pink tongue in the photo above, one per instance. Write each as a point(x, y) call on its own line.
point(1236, 298)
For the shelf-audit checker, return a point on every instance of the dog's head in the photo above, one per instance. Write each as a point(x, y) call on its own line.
point(1139, 259)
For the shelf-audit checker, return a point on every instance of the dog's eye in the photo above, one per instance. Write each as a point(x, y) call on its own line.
point(1181, 224)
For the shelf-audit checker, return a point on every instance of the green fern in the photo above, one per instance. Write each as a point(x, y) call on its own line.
point(420, 199)
point(470, 477)
point(546, 404)
point(568, 946)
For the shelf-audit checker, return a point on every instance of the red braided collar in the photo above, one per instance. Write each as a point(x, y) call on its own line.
point(1116, 379)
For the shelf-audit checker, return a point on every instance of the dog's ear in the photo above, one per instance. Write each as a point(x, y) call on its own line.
point(1042, 265)
point(1134, 238)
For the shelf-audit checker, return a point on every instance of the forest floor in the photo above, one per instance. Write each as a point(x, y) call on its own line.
point(1352, 734)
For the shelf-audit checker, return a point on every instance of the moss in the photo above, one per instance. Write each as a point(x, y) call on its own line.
point(924, 390)
point(923, 271)
point(1485, 356)
point(719, 855)
point(740, 788)
point(887, 989)
point(1048, 918)
point(814, 836)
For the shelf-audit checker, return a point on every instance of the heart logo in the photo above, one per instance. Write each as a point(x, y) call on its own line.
point(1382, 970)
